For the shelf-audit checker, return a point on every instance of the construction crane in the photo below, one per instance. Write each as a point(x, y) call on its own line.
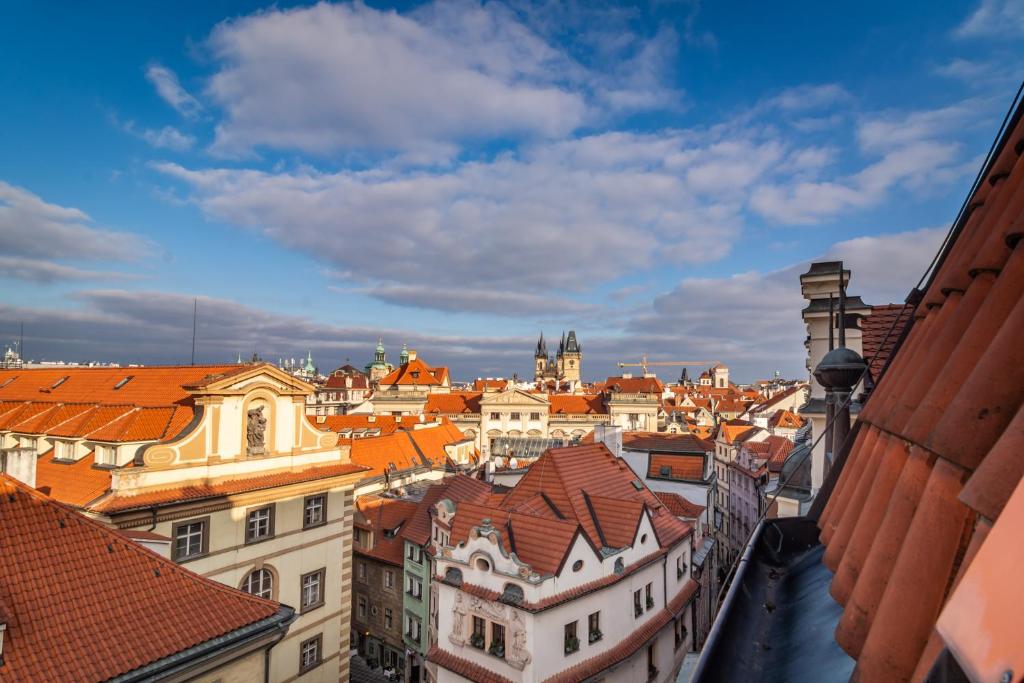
point(644, 363)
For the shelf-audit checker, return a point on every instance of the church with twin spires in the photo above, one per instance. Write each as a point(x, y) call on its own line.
point(562, 367)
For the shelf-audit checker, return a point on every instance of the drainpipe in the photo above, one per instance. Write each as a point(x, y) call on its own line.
point(153, 525)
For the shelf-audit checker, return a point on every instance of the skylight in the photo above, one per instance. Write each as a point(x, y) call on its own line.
point(60, 381)
point(124, 381)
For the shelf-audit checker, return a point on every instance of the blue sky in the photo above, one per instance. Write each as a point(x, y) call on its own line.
point(460, 175)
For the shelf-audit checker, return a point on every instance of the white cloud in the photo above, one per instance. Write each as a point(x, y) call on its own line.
point(333, 77)
point(167, 137)
point(33, 228)
point(751, 320)
point(171, 91)
point(39, 271)
point(562, 216)
point(994, 18)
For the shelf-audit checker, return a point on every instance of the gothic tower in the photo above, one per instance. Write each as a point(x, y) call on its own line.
point(540, 359)
point(571, 358)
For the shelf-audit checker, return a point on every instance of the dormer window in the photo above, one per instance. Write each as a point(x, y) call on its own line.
point(105, 454)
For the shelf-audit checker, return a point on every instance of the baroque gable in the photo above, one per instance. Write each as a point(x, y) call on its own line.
point(514, 397)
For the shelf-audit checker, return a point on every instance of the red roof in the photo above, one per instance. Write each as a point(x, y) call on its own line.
point(634, 385)
point(457, 488)
point(75, 483)
point(670, 466)
point(464, 667)
point(340, 423)
point(83, 603)
point(415, 372)
point(406, 449)
point(938, 447)
point(384, 517)
point(577, 404)
point(679, 506)
point(454, 402)
point(785, 419)
point(493, 384)
point(588, 487)
point(662, 441)
point(877, 341)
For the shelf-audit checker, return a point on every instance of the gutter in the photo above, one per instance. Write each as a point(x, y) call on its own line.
point(715, 634)
point(274, 626)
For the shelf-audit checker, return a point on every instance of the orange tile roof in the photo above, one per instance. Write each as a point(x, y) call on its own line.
point(457, 488)
point(683, 467)
point(454, 402)
point(415, 372)
point(380, 515)
point(339, 423)
point(634, 385)
point(463, 667)
point(680, 506)
point(380, 454)
point(101, 621)
point(935, 445)
point(75, 483)
point(482, 384)
point(877, 341)
point(149, 386)
point(785, 419)
point(662, 441)
point(198, 491)
point(734, 430)
point(577, 404)
point(431, 442)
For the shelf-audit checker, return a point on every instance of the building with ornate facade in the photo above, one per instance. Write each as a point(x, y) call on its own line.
point(579, 572)
point(217, 465)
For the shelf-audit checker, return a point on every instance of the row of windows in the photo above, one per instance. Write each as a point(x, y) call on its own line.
point(192, 538)
point(572, 639)
point(643, 599)
point(361, 612)
point(534, 417)
point(260, 582)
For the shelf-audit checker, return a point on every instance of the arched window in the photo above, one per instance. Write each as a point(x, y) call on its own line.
point(260, 583)
point(453, 576)
point(512, 594)
point(620, 566)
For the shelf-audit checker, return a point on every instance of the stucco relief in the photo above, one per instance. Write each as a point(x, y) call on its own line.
point(486, 608)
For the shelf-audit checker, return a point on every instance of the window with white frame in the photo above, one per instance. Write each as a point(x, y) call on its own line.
point(414, 587)
point(389, 579)
point(314, 511)
point(412, 627)
point(259, 524)
point(313, 589)
point(310, 653)
point(260, 583)
point(105, 454)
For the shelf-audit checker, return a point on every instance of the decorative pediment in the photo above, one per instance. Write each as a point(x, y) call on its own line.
point(249, 378)
point(516, 397)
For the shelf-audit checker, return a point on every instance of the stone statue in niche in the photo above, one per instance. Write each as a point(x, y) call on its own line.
point(459, 614)
point(518, 657)
point(255, 432)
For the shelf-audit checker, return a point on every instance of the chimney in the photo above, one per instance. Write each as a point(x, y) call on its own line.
point(19, 463)
point(412, 355)
point(610, 436)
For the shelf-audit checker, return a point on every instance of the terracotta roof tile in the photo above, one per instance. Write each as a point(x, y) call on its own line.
point(75, 483)
point(634, 385)
point(577, 404)
point(684, 467)
point(679, 506)
point(458, 488)
point(385, 517)
point(101, 619)
point(340, 423)
point(939, 440)
point(454, 402)
point(120, 503)
point(463, 667)
point(667, 443)
point(493, 384)
point(877, 342)
point(413, 373)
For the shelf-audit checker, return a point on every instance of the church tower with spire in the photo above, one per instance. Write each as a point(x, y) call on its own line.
point(564, 366)
point(540, 360)
point(570, 358)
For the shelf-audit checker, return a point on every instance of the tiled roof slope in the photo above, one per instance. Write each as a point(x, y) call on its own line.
point(877, 342)
point(567, 477)
point(415, 372)
point(457, 488)
point(381, 515)
point(577, 404)
point(454, 402)
point(150, 386)
point(339, 423)
point(634, 385)
point(75, 483)
point(406, 449)
point(668, 443)
point(937, 451)
point(79, 600)
point(679, 506)
point(685, 467)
